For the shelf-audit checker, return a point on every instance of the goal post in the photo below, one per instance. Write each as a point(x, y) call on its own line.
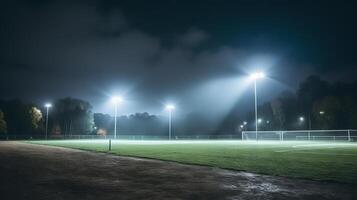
point(304, 135)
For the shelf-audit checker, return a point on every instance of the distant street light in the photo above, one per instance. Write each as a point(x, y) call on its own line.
point(301, 119)
point(255, 77)
point(170, 108)
point(48, 106)
point(322, 112)
point(116, 100)
point(260, 121)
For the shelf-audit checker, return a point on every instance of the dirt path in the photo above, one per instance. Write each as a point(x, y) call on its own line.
point(38, 172)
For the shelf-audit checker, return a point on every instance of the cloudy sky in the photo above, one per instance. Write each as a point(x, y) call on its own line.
point(194, 54)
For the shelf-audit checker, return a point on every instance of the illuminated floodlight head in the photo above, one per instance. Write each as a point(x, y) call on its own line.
point(322, 112)
point(260, 120)
point(48, 105)
point(257, 75)
point(117, 99)
point(170, 107)
point(241, 126)
point(245, 123)
point(301, 119)
point(268, 121)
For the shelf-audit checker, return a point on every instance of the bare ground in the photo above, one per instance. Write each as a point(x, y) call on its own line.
point(30, 171)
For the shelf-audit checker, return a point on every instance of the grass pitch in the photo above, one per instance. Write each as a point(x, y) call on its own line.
point(312, 160)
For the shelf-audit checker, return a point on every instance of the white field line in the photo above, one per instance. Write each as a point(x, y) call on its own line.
point(304, 149)
point(332, 154)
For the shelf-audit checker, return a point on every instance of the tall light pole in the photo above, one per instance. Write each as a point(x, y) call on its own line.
point(116, 100)
point(255, 77)
point(170, 108)
point(48, 106)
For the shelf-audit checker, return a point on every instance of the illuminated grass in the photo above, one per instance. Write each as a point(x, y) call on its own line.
point(312, 160)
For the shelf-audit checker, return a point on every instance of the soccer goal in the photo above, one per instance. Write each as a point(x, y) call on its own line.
point(309, 135)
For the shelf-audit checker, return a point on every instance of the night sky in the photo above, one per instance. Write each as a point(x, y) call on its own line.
point(195, 54)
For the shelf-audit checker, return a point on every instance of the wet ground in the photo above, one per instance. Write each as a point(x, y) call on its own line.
point(29, 171)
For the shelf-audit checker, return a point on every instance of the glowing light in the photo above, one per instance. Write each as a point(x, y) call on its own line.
point(260, 121)
point(322, 112)
point(117, 99)
point(245, 123)
point(48, 105)
point(301, 119)
point(241, 126)
point(170, 107)
point(257, 75)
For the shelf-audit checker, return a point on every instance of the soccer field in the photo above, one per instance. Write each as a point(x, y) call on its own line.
point(312, 160)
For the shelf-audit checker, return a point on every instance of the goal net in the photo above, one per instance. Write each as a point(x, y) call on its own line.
point(312, 135)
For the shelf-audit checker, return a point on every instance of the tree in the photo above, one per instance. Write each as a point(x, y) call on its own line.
point(3, 128)
point(102, 122)
point(310, 91)
point(18, 117)
point(36, 118)
point(278, 113)
point(72, 116)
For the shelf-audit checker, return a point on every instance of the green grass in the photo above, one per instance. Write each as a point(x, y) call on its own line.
point(311, 160)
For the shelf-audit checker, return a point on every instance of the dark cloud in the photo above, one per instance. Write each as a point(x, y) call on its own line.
point(91, 49)
point(193, 37)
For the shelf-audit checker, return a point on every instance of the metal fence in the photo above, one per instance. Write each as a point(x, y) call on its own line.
point(311, 135)
point(122, 137)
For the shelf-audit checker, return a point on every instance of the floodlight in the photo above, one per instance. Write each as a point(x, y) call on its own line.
point(117, 99)
point(245, 123)
point(257, 75)
point(170, 107)
point(48, 106)
point(322, 112)
point(241, 126)
point(260, 121)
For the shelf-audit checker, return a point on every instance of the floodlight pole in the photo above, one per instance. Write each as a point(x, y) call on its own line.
point(47, 108)
point(115, 120)
point(170, 119)
point(256, 109)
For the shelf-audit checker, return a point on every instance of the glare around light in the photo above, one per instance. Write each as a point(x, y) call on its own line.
point(257, 75)
point(322, 112)
point(260, 120)
point(301, 119)
point(245, 123)
point(170, 107)
point(48, 105)
point(117, 99)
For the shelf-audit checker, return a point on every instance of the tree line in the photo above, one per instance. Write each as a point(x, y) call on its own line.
point(316, 104)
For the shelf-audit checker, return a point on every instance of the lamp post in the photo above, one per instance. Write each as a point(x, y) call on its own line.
point(245, 125)
point(255, 77)
point(116, 100)
point(170, 108)
point(48, 106)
